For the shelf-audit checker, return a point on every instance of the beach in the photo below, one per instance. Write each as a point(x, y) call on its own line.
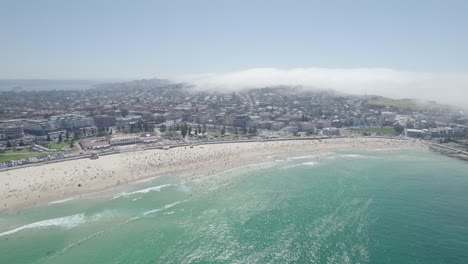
point(35, 185)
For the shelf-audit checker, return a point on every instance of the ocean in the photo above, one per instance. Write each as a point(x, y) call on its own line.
point(373, 206)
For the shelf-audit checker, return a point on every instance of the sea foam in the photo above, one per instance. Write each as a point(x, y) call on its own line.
point(310, 163)
point(65, 222)
point(61, 201)
point(165, 207)
point(303, 157)
point(147, 190)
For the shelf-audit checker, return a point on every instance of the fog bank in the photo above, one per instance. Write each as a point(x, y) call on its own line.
point(442, 87)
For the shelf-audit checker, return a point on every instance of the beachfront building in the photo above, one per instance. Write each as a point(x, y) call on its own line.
point(38, 127)
point(94, 143)
point(323, 123)
point(306, 127)
point(331, 131)
point(277, 125)
point(241, 121)
point(414, 133)
point(125, 140)
point(174, 135)
point(11, 130)
point(290, 129)
point(150, 138)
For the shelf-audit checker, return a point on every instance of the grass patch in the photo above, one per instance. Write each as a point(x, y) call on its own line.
point(407, 104)
point(57, 145)
point(24, 150)
point(379, 130)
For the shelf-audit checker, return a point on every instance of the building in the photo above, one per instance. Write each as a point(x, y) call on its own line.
point(126, 140)
point(94, 143)
point(277, 125)
point(414, 133)
point(291, 129)
point(264, 124)
point(306, 127)
point(72, 121)
point(253, 121)
point(331, 131)
point(128, 119)
point(39, 127)
point(323, 123)
point(105, 121)
point(11, 131)
point(174, 135)
point(388, 115)
point(241, 121)
point(150, 138)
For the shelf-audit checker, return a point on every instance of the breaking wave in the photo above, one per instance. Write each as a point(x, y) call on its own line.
point(64, 222)
point(147, 190)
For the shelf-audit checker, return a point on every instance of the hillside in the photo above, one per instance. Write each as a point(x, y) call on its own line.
point(405, 104)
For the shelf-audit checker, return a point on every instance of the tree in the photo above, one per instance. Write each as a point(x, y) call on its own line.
point(204, 128)
point(60, 139)
point(48, 138)
point(124, 112)
point(223, 130)
point(110, 131)
point(71, 144)
point(21, 143)
point(399, 128)
point(184, 130)
point(8, 144)
point(67, 134)
point(163, 128)
point(190, 130)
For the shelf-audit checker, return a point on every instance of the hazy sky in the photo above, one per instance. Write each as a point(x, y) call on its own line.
point(168, 39)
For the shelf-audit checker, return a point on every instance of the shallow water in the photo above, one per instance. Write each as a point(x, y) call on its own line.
point(335, 207)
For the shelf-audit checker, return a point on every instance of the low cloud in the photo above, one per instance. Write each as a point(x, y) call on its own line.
point(442, 87)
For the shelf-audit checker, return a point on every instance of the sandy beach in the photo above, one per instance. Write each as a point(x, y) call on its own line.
point(35, 185)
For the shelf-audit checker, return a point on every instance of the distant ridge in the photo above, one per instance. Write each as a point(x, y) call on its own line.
point(44, 84)
point(143, 83)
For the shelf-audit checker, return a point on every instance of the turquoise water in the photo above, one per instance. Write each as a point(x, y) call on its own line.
point(335, 207)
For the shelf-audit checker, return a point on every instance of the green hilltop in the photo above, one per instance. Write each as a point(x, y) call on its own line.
point(405, 104)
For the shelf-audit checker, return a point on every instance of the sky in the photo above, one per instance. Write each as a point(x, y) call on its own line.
point(176, 39)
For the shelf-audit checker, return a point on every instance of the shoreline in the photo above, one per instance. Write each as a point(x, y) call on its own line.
point(161, 147)
point(31, 186)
